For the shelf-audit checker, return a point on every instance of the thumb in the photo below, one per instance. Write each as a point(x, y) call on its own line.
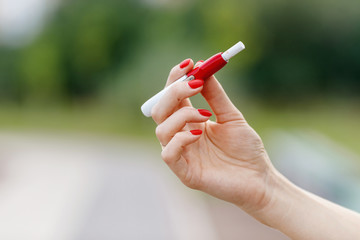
point(219, 102)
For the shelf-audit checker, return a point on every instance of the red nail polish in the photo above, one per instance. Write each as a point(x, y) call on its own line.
point(205, 112)
point(196, 132)
point(185, 63)
point(196, 83)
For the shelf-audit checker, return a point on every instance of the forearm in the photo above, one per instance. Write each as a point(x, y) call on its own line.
point(302, 215)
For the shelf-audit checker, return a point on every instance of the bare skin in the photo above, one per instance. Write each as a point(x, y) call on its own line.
point(228, 160)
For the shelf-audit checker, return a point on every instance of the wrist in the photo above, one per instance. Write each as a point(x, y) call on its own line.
point(281, 196)
point(302, 215)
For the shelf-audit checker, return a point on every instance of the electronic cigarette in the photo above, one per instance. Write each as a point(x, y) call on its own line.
point(204, 71)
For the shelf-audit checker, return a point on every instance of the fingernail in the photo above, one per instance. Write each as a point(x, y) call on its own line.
point(205, 112)
point(196, 83)
point(185, 63)
point(196, 132)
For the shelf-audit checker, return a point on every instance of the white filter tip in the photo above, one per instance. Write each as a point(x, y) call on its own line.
point(233, 51)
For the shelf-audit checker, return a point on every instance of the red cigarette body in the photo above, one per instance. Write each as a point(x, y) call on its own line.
point(209, 67)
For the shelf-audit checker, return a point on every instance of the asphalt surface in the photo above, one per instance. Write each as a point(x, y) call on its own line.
point(83, 188)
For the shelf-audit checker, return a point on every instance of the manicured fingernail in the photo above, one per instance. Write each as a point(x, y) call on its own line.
point(196, 132)
point(205, 112)
point(196, 83)
point(185, 63)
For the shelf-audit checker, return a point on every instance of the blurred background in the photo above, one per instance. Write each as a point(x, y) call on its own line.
point(78, 160)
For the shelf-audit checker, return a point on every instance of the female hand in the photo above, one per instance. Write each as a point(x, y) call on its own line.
point(225, 158)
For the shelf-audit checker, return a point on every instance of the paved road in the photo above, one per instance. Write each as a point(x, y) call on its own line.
point(317, 164)
point(74, 188)
point(83, 188)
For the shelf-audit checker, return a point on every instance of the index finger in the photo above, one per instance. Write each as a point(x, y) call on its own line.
point(177, 72)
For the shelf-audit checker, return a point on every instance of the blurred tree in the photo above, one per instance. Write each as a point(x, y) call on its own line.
point(296, 50)
point(223, 23)
point(310, 51)
point(9, 88)
point(84, 41)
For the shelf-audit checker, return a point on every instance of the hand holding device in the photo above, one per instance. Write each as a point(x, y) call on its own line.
point(204, 71)
point(227, 159)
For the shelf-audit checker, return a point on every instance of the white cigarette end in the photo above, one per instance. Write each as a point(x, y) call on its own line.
point(238, 47)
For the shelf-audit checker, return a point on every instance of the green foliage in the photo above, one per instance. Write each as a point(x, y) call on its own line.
point(84, 42)
point(296, 50)
point(9, 88)
point(312, 51)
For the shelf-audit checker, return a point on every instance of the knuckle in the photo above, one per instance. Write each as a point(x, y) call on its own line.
point(165, 156)
point(159, 131)
point(161, 135)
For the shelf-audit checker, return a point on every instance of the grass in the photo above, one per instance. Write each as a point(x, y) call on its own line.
point(96, 120)
point(340, 123)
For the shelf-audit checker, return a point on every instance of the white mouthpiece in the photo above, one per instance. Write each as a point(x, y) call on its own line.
point(233, 51)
